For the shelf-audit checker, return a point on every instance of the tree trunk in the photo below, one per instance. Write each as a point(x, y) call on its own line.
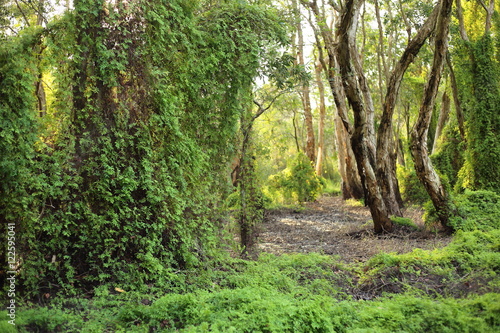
point(456, 100)
point(401, 154)
point(386, 150)
point(351, 182)
point(322, 115)
point(381, 49)
point(418, 146)
point(39, 88)
point(363, 138)
point(405, 20)
point(443, 118)
point(490, 10)
point(305, 94)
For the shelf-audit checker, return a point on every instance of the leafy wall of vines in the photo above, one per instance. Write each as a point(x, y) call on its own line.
point(118, 183)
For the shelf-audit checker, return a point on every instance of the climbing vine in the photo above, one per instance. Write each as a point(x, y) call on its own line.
point(482, 157)
point(115, 184)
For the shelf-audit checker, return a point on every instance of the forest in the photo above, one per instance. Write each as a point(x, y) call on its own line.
point(250, 166)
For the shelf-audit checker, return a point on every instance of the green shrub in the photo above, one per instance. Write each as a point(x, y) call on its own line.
point(297, 183)
point(406, 313)
point(5, 326)
point(477, 210)
point(411, 188)
point(289, 293)
point(449, 158)
point(332, 188)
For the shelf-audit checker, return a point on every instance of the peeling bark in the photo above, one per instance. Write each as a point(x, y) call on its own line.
point(386, 150)
point(363, 137)
point(418, 147)
point(351, 182)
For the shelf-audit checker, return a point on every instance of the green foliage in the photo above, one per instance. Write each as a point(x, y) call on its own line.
point(5, 326)
point(355, 202)
point(257, 310)
point(291, 293)
point(409, 314)
point(403, 221)
point(332, 187)
point(250, 202)
point(411, 188)
point(477, 210)
point(297, 183)
point(18, 128)
point(449, 158)
point(469, 264)
point(120, 185)
point(482, 157)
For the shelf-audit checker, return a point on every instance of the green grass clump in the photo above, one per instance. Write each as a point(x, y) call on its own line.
point(246, 309)
point(453, 289)
point(404, 221)
point(407, 313)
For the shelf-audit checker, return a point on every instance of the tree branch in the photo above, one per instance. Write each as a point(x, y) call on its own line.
point(264, 109)
point(22, 13)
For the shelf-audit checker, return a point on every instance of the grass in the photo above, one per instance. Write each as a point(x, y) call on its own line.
point(303, 293)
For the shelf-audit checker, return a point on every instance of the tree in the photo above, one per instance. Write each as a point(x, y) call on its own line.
point(304, 92)
point(476, 65)
point(358, 95)
point(376, 163)
point(386, 150)
point(423, 165)
point(124, 187)
point(322, 115)
point(351, 181)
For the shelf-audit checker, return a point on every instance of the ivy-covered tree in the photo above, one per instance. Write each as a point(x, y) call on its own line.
point(482, 157)
point(116, 184)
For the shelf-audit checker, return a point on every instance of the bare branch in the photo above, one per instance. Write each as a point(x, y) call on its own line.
point(263, 109)
point(22, 13)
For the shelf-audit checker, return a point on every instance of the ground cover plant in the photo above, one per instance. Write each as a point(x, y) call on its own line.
point(454, 288)
point(301, 293)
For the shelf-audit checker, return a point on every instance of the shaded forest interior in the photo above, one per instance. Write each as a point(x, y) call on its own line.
point(250, 166)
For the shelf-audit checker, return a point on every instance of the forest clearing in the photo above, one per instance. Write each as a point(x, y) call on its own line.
point(330, 226)
point(249, 166)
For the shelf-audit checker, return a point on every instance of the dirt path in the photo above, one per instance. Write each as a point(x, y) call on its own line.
point(331, 226)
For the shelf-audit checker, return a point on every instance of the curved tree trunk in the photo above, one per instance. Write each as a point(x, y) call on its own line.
point(351, 182)
point(386, 150)
point(363, 138)
point(423, 166)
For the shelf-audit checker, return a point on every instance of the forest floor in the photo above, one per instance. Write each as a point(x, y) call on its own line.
point(333, 226)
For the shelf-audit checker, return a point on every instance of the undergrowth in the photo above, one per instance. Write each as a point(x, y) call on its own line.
point(302, 293)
